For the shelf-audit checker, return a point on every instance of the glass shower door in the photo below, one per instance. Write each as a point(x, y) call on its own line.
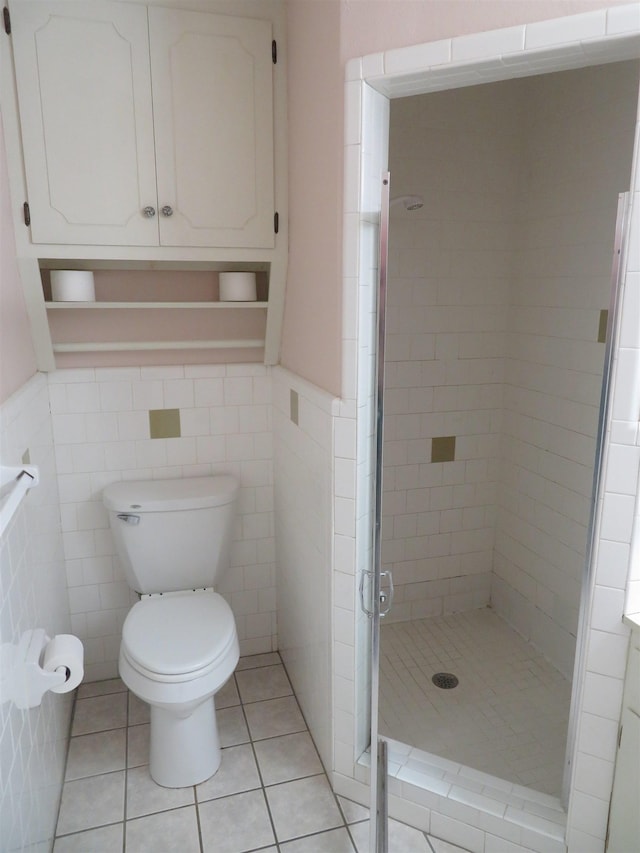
point(380, 582)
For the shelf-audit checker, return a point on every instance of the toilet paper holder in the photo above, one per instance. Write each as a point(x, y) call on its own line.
point(29, 680)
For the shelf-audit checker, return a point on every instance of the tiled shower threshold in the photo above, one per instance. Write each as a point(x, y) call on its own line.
point(484, 803)
point(495, 797)
point(525, 817)
point(506, 683)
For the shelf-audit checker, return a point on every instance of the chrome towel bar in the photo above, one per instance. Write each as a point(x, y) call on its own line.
point(15, 482)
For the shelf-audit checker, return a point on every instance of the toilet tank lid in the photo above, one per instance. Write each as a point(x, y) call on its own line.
point(166, 495)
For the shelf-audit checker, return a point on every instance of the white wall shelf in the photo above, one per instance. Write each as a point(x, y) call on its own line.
point(126, 346)
point(127, 305)
point(266, 254)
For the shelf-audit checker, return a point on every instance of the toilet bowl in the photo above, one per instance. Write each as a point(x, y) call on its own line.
point(177, 651)
point(179, 642)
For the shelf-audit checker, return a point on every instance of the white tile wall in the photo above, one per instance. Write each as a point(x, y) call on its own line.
point(419, 71)
point(449, 277)
point(33, 743)
point(304, 526)
point(561, 281)
point(101, 427)
point(525, 384)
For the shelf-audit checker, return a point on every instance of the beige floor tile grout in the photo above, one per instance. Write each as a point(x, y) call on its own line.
point(133, 721)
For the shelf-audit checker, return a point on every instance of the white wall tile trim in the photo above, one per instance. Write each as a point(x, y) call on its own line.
point(608, 35)
point(101, 424)
point(569, 42)
point(304, 500)
point(33, 742)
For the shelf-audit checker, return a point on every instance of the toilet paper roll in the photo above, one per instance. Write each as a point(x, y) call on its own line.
point(237, 287)
point(65, 653)
point(72, 286)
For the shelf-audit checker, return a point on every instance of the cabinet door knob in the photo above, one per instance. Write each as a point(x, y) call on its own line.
point(167, 210)
point(149, 211)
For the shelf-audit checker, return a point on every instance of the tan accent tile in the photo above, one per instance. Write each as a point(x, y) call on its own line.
point(443, 448)
point(164, 423)
point(602, 326)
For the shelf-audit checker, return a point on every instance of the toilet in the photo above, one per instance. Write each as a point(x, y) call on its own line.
point(179, 642)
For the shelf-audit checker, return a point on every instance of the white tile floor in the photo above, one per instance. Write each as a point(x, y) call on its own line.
point(270, 793)
point(507, 717)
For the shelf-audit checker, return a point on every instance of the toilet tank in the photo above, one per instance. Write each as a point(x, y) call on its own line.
point(173, 534)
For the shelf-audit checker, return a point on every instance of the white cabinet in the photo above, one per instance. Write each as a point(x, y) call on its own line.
point(145, 126)
point(84, 88)
point(212, 106)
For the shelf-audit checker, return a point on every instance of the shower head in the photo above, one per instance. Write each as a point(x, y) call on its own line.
point(410, 202)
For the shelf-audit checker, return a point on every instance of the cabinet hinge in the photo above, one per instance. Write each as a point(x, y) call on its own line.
point(7, 20)
point(276, 222)
point(274, 51)
point(27, 213)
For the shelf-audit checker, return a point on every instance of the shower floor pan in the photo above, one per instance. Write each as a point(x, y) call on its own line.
point(508, 714)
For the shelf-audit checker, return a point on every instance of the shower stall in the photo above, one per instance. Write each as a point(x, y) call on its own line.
point(499, 280)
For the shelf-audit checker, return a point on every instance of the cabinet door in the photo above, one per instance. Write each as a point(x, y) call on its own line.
point(84, 92)
point(212, 95)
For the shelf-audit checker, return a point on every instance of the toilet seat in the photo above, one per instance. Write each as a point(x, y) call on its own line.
point(178, 637)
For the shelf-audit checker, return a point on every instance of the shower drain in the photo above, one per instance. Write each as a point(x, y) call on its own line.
point(446, 680)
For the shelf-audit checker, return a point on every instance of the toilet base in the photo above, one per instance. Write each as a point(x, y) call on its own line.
point(185, 750)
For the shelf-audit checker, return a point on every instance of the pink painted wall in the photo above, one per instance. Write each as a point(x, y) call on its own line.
point(322, 36)
point(17, 357)
point(311, 345)
point(368, 26)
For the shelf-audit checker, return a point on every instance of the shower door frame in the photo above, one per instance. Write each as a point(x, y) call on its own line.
point(418, 77)
point(613, 325)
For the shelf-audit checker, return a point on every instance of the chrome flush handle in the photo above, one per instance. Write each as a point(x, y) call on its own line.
point(129, 518)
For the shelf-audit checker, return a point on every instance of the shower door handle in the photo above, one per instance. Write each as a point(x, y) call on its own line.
point(363, 606)
point(385, 596)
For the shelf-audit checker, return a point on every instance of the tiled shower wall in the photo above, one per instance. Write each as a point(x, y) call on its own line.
point(578, 144)
point(529, 49)
point(449, 273)
point(101, 428)
point(496, 288)
point(33, 742)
